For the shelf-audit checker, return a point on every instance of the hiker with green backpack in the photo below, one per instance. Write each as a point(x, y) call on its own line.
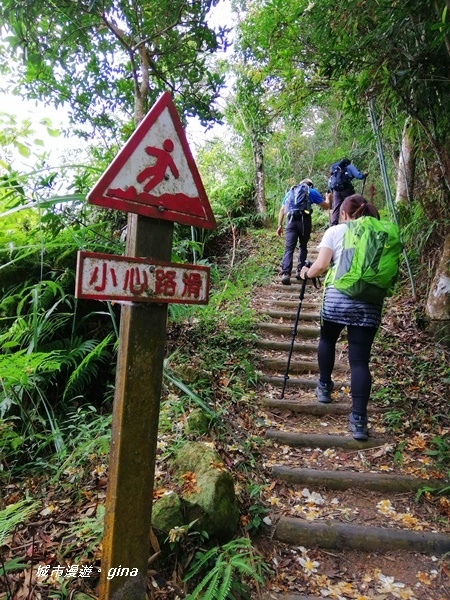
point(363, 253)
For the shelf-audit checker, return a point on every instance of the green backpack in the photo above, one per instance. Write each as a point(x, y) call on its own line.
point(368, 266)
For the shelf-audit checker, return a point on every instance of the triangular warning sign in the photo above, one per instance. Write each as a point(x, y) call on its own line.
point(155, 174)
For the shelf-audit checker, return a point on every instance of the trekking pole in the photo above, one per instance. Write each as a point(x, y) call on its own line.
point(294, 331)
point(364, 183)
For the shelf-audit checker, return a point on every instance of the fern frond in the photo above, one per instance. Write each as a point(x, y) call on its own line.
point(88, 368)
point(234, 546)
point(242, 566)
point(20, 368)
point(77, 350)
point(203, 583)
point(211, 592)
point(227, 580)
point(199, 561)
point(13, 515)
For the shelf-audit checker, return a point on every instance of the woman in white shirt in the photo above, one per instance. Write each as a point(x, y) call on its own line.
point(362, 320)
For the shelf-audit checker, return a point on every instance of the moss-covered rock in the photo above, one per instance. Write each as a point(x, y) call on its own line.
point(167, 512)
point(198, 422)
point(210, 498)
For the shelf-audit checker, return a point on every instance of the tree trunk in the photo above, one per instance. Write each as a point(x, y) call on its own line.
point(406, 166)
point(438, 302)
point(258, 160)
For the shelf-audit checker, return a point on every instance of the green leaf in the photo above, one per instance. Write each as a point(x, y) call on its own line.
point(15, 564)
point(23, 150)
point(53, 132)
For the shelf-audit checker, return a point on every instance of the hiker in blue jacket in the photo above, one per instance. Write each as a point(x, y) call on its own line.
point(340, 195)
point(298, 228)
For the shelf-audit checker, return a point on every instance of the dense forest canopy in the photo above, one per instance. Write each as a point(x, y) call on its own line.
point(108, 61)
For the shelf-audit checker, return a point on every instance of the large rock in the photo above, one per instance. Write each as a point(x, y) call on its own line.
point(209, 496)
point(438, 302)
point(167, 513)
point(198, 422)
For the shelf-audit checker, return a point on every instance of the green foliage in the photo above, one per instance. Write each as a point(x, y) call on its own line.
point(85, 533)
point(420, 233)
point(228, 569)
point(395, 419)
point(440, 450)
point(364, 52)
point(54, 352)
point(14, 515)
point(191, 395)
point(224, 167)
point(84, 373)
point(257, 511)
point(86, 433)
point(66, 57)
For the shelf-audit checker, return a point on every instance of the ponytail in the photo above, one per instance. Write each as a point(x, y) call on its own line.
point(357, 206)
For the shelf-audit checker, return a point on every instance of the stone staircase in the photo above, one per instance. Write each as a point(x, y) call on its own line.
point(311, 454)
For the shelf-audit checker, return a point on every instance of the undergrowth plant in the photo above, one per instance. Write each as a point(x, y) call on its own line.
point(230, 569)
point(13, 515)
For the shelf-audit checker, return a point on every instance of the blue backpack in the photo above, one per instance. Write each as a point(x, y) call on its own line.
point(298, 200)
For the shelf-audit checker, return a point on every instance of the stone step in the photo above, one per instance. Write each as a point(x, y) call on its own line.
point(290, 316)
point(332, 535)
point(315, 408)
point(287, 294)
point(301, 382)
point(299, 346)
point(313, 440)
point(297, 367)
point(295, 288)
point(343, 480)
point(294, 304)
point(278, 329)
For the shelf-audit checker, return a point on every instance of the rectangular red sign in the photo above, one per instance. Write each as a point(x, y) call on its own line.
point(126, 279)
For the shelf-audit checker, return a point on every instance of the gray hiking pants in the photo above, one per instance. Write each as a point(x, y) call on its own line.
point(298, 230)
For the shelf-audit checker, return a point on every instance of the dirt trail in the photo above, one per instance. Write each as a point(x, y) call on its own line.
point(344, 521)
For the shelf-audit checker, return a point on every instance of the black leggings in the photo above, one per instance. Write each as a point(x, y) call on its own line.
point(360, 340)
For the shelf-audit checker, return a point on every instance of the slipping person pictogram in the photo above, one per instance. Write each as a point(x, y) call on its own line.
point(157, 172)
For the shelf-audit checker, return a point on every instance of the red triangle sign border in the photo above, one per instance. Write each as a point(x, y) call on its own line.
point(179, 206)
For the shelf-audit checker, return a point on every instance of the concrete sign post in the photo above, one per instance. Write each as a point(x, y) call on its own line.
point(155, 179)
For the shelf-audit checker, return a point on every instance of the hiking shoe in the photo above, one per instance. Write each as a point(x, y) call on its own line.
point(323, 392)
point(358, 427)
point(285, 279)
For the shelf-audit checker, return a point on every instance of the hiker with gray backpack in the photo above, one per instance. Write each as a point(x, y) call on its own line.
point(297, 208)
point(340, 183)
point(361, 255)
